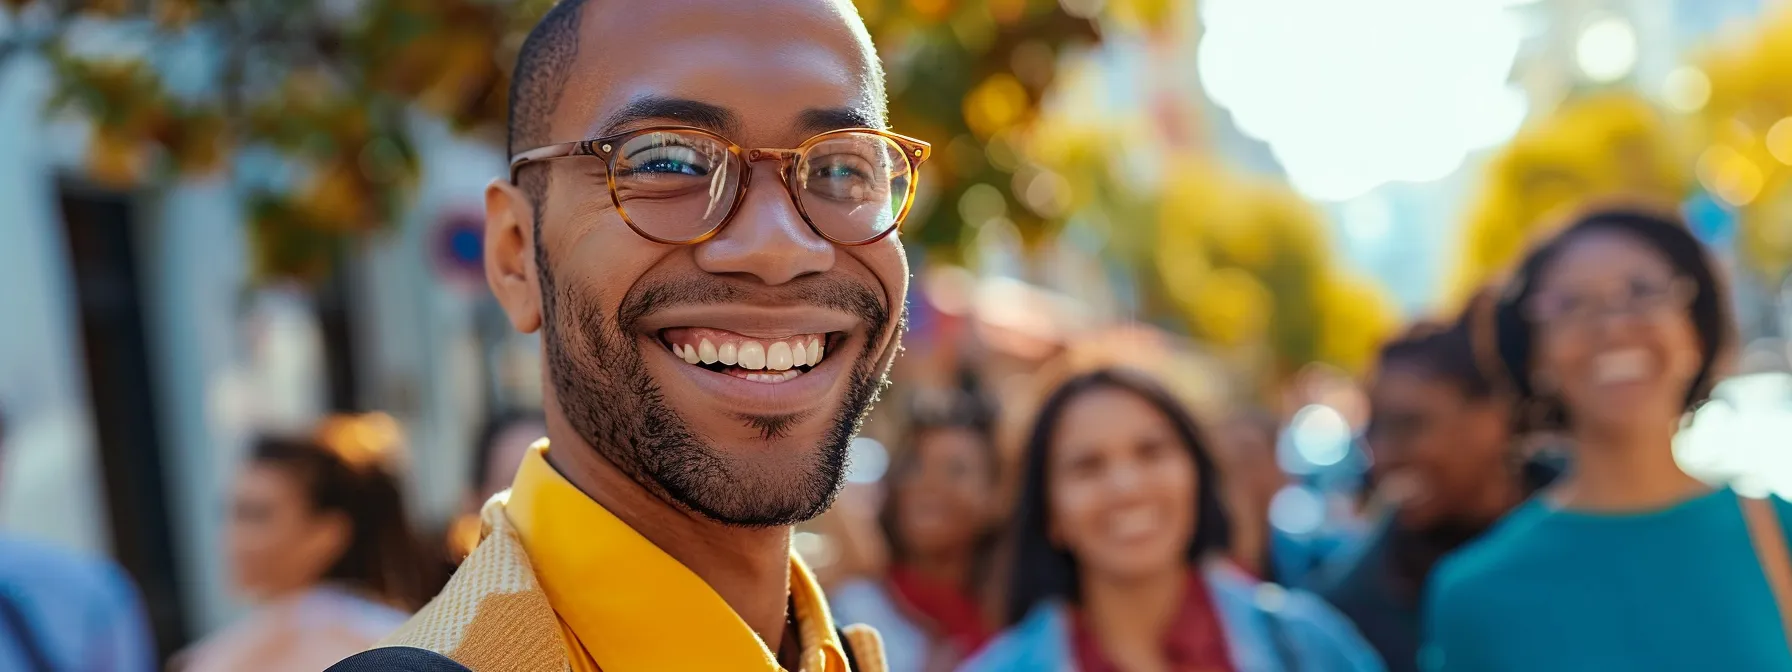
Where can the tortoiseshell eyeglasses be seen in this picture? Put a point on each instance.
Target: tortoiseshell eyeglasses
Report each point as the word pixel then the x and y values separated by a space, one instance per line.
pixel 680 185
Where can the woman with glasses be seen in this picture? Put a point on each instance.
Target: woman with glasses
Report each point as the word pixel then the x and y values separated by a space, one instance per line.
pixel 1119 545
pixel 1612 332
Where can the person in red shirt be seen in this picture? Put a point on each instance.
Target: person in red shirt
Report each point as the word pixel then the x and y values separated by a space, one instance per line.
pixel 939 522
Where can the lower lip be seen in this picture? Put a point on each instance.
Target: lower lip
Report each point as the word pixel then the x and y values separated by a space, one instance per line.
pixel 794 395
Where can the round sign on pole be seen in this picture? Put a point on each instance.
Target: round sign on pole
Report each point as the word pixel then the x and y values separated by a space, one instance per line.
pixel 458 250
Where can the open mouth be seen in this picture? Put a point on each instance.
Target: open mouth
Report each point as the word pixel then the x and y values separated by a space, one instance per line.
pixel 1623 366
pixel 760 360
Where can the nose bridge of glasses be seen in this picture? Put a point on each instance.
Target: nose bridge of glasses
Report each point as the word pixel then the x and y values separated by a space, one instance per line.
pixel 784 157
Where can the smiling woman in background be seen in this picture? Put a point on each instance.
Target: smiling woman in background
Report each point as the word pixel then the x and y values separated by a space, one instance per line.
pixel 939 520
pixel 1119 552
pixel 1614 330
pixel 319 541
pixel 1441 434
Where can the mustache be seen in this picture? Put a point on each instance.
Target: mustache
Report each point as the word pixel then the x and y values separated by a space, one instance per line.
pixel 827 291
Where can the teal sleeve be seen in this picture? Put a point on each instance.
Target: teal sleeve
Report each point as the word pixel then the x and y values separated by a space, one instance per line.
pixel 1451 638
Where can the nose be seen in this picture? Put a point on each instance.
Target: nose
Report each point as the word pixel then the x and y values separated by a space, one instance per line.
pixel 1126 479
pixel 767 238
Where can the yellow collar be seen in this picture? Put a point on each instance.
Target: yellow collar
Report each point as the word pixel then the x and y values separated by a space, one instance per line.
pixel 633 607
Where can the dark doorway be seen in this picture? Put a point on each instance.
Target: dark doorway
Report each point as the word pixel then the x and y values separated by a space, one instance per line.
pixel 101 228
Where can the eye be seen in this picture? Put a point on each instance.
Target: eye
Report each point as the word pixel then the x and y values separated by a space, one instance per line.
pixel 670 159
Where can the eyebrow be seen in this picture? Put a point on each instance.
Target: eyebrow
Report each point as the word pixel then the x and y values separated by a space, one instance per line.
pixel 835 118
pixel 723 120
pixel 681 110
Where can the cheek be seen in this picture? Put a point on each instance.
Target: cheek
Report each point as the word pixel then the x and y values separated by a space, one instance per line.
pixel 888 264
pixel 1680 341
pixel 1072 504
pixel 1562 352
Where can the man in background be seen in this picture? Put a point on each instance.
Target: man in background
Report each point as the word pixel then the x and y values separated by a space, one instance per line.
pixel 60 610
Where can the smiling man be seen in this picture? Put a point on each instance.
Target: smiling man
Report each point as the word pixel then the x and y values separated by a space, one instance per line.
pixel 698 220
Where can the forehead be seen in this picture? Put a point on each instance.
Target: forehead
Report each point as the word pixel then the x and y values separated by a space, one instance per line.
pixel 1107 415
pixel 766 61
pixel 1598 258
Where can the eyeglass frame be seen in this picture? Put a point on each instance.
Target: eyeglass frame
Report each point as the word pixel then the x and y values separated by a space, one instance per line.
pixel 914 151
pixel 1682 292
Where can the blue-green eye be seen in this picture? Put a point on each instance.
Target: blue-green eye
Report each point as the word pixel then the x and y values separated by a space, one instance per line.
pixel 672 160
pixel 836 171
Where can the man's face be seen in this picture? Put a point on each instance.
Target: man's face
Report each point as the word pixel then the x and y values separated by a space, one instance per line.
pixel 739 447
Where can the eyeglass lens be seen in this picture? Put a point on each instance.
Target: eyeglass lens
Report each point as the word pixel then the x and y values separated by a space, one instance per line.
pixel 680 185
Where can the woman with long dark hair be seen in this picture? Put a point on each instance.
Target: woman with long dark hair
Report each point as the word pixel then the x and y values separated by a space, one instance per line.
pixel 939 523
pixel 1119 552
pixel 1611 332
pixel 319 541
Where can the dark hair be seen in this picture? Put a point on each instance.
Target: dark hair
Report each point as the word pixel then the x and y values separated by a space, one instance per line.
pixel 494 428
pixel 1041 570
pixel 543 65
pixel 964 411
pixel 384 557
pixel 1665 233
pixel 1444 352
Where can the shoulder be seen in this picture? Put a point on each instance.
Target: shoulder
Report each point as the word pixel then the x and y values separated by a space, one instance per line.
pixel 1267 617
pixel 43 569
pixel 1505 548
pixel 398 659
pixel 1038 642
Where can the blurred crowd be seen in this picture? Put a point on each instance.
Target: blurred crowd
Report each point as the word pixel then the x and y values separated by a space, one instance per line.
pixel 1055 503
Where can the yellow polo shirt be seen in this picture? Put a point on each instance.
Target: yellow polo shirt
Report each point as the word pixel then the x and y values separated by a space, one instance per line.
pixel 627 606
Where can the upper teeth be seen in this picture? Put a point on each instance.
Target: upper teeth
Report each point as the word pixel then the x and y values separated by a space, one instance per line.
pixel 753 355
pixel 1621 366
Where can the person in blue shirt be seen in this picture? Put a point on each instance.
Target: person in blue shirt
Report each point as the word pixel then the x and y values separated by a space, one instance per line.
pixel 1610 333
pixel 1118 552
pixel 61 610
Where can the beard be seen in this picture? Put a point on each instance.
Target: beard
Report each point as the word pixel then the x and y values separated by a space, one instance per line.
pixel 610 399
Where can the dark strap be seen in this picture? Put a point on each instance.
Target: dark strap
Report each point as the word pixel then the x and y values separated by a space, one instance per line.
pixel 407 659
pixel 852 660
pixel 1769 540
pixel 398 659
pixel 18 628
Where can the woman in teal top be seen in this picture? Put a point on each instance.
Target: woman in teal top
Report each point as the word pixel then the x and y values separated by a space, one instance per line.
pixel 1610 332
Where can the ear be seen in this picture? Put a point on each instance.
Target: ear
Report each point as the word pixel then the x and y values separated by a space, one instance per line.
pixel 510 254
pixel 330 537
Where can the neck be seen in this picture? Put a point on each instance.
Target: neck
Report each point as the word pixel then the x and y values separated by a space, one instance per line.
pixel 947 567
pixel 1626 470
pixel 1250 537
pixel 1495 499
pixel 1131 616
pixel 748 568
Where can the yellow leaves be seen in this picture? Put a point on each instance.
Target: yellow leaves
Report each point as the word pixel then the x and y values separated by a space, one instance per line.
pixel 999 102
pixel 1592 148
pixel 1143 15
pixel 116 158
pixel 1247 263
pixel 1746 131
pixel 171 14
pixel 107 8
pixel 1355 317
pixel 1230 307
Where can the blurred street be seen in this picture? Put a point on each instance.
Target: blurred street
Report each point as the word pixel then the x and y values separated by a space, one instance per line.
pixel 240 237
